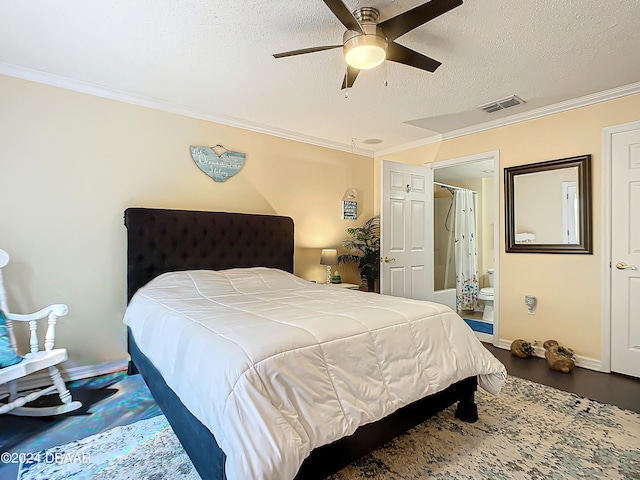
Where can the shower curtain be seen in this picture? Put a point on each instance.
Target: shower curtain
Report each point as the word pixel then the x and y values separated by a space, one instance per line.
pixel 466 252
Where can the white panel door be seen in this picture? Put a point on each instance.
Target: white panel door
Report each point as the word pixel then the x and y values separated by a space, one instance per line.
pixel 625 251
pixel 406 231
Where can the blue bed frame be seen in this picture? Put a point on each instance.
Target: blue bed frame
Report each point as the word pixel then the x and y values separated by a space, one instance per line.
pixel 161 240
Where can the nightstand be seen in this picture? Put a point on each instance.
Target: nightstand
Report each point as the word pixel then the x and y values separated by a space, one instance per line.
pixel 349 286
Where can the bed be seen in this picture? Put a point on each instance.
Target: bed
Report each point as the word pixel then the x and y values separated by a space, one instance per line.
pixel 231 259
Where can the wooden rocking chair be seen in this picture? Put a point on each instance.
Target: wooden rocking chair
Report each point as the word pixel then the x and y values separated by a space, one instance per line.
pixel 33 361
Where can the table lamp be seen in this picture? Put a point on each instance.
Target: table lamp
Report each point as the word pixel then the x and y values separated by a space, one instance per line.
pixel 329 257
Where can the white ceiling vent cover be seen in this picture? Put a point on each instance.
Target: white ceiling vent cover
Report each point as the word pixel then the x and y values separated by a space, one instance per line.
pixel 501 104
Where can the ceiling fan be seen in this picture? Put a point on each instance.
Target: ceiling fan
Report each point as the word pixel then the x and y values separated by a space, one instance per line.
pixel 366 44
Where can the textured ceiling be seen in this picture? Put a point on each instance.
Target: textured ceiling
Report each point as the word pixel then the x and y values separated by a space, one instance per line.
pixel 215 59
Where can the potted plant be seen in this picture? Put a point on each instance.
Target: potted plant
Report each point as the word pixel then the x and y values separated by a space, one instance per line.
pixel 364 250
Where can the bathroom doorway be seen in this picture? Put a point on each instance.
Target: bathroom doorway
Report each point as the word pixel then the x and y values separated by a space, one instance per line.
pixel 466 239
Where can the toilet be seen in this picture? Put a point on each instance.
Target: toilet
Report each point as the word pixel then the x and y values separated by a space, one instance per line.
pixel 486 295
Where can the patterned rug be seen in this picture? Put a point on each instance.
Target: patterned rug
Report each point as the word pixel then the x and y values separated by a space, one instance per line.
pixel 530 431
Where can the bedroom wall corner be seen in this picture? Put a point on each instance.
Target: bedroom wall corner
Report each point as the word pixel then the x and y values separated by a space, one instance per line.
pixel 71 163
pixel 568 287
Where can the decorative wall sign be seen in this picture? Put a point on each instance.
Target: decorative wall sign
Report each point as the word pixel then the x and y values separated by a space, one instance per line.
pixel 349 210
pixel 218 167
pixel 350 204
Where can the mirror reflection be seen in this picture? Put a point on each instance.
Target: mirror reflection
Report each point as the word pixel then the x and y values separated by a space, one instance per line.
pixel 548 206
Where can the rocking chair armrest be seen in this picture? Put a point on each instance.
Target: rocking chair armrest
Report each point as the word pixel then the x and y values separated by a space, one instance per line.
pixel 59 310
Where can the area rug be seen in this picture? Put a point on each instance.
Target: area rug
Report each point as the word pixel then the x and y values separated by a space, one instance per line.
pixel 530 431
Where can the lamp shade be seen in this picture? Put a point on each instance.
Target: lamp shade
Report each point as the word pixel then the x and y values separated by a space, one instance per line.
pixel 329 256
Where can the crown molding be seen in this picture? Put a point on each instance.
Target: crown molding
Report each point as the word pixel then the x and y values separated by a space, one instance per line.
pixel 140 100
pixel 579 102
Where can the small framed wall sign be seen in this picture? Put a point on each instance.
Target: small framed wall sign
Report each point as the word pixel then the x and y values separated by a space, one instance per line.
pixel 218 167
pixel 350 204
pixel 349 210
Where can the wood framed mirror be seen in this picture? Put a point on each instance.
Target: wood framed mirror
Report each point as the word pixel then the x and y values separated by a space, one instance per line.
pixel 548 206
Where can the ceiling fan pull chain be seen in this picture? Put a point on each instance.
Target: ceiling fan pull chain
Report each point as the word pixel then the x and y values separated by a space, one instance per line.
pixel 346 82
pixel 386 84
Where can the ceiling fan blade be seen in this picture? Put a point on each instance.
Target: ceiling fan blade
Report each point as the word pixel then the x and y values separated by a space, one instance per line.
pixel 343 14
pixel 350 77
pixel 407 21
pixel 305 50
pixel 400 54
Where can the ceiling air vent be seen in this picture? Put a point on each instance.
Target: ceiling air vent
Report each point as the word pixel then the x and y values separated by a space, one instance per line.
pixel 501 104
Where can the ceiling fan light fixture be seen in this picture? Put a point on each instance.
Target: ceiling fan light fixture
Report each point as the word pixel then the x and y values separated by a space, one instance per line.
pixel 365 51
pixel 367 43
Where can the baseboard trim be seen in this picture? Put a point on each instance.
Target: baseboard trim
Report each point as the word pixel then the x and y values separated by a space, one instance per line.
pixel 484 337
pixel 583 362
pixel 41 379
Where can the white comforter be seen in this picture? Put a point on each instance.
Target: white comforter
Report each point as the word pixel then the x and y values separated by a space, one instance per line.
pixel 276 366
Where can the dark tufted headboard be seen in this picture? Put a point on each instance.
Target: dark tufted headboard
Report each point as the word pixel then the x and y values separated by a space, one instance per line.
pixel 160 241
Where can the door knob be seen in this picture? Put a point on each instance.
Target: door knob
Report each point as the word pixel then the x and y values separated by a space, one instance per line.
pixel 624 266
pixel 388 259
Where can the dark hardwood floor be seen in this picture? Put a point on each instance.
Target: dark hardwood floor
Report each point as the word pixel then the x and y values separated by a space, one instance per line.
pixel 119 400
pixel 611 388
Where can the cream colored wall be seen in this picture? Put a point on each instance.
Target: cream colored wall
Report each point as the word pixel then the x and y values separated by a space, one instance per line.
pixel 71 163
pixel 568 286
pixel 443 266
